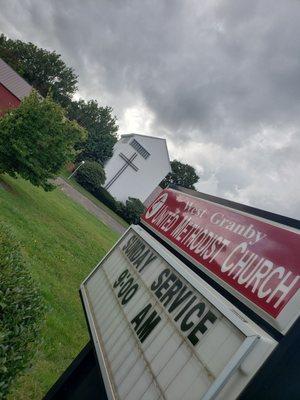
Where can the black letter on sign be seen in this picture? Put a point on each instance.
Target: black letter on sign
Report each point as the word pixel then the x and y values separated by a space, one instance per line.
pixel 157 284
pixel 129 243
pixel 185 325
pixel 143 329
pixel 209 316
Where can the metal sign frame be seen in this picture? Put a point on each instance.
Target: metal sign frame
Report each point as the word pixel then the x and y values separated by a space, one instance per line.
pixel 222 305
pixel 290 313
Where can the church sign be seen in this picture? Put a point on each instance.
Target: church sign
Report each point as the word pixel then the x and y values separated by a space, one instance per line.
pixel 160 331
pixel 255 259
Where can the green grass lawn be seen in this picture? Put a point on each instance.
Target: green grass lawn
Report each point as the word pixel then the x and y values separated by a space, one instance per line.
pixel 62 243
pixel 65 174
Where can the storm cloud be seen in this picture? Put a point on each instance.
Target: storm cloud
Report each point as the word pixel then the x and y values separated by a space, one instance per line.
pixel 219 79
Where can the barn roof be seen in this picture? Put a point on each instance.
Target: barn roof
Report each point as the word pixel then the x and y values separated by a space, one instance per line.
pixel 13 81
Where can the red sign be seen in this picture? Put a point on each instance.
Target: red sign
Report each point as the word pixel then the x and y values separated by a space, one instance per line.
pixel 256 258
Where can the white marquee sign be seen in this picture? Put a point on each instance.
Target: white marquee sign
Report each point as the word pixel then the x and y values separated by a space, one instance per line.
pixel 161 332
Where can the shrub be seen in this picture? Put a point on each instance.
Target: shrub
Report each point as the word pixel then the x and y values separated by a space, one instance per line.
pixel 121 209
pixel 106 198
pixel 132 210
pixel 91 176
pixel 21 311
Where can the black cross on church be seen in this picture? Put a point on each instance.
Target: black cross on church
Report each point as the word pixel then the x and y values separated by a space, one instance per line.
pixel 128 163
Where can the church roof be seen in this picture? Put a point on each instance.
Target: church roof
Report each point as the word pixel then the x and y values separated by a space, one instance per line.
pixel 138 134
pixel 128 135
pixel 13 81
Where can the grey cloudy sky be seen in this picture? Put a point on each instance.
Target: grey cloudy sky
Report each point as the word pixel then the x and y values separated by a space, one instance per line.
pixel 219 79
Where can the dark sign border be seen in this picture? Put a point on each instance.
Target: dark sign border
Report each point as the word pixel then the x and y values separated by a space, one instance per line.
pixel 277 218
pixel 281 219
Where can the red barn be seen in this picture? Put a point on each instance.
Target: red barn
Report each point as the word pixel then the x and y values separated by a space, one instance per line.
pixel 13 88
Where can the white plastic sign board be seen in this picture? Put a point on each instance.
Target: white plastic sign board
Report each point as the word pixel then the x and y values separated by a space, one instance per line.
pixel 161 332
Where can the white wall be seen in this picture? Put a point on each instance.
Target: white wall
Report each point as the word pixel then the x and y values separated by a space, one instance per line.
pixel 151 170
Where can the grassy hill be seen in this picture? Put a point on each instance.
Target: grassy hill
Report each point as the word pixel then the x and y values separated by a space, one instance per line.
pixel 62 243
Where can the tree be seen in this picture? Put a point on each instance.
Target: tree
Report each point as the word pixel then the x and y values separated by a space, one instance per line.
pixel 36 140
pixel 182 175
pixel 101 127
pixel 43 69
pixel 131 210
pixel 47 72
pixel 91 176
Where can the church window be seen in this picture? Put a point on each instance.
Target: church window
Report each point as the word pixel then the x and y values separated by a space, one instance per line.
pixel 139 148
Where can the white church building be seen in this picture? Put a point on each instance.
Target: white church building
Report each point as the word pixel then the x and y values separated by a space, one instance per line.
pixel 139 163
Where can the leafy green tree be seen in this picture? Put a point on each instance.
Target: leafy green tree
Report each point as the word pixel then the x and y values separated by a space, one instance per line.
pixel 36 140
pixel 132 210
pixel 182 175
pixel 101 126
pixel 91 176
pixel 47 72
pixel 43 69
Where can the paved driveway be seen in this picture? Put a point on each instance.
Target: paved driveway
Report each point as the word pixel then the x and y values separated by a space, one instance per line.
pixel 101 214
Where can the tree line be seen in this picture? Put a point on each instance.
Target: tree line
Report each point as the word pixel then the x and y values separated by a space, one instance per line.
pixel 66 129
